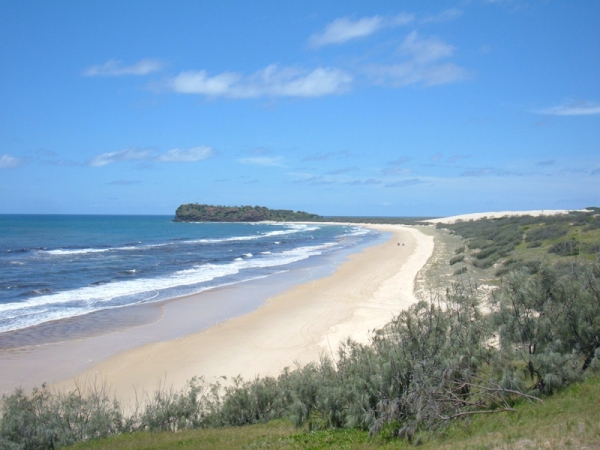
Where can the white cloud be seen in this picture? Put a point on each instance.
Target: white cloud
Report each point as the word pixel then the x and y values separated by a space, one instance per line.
pixel 572 109
pixel 114 68
pixel 263 160
pixel 8 161
pixel 422 64
pixel 271 81
pixel 444 16
pixel 343 29
pixel 190 155
pixel 425 51
pixel 410 73
pixel 133 154
pixel 127 154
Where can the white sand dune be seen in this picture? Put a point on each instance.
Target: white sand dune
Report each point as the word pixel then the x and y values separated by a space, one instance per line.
pixel 495 215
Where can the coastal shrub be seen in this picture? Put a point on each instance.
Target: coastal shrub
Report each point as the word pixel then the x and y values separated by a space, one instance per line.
pixel 486 263
pixel 476 243
pixel 249 402
pixel 593 223
pixel 47 420
pixel 549 324
pixel 487 252
pixel 546 232
pixel 508 266
pixel 569 247
pixel 460 271
pixel 166 409
pixel 456 259
pixel 460 250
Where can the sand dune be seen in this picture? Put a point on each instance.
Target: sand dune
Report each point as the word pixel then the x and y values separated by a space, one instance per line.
pixel 495 215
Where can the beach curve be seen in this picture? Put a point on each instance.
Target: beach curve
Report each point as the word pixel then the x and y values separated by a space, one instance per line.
pixel 294 327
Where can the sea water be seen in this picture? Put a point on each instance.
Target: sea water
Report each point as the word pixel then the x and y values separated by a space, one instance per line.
pixel 61 266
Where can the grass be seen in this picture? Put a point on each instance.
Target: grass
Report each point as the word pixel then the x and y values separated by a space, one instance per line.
pixel 567 420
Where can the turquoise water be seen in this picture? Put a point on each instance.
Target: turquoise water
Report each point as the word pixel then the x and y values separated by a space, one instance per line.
pixel 55 267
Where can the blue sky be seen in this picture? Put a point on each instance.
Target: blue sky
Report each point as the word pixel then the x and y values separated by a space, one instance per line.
pixel 348 107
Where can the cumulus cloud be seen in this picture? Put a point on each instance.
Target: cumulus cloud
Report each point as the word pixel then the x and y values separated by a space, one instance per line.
pixel 425 50
pixel 421 64
pixel 127 154
pixel 113 68
pixel 191 155
pixel 272 81
pixel 344 29
pixel 8 161
pixel 134 154
pixel 572 109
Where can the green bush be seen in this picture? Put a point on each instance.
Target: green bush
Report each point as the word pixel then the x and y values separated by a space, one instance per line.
pixel 460 271
pixel 457 259
pixel 546 232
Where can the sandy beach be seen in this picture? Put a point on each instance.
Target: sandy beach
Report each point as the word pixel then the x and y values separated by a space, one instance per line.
pixel 297 326
pixel 270 329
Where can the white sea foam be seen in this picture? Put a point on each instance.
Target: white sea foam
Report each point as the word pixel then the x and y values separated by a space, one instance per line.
pixel 81 251
pixel 290 229
pixel 90 298
pixel 359 231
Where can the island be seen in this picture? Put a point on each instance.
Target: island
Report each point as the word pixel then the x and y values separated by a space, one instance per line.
pixel 194 212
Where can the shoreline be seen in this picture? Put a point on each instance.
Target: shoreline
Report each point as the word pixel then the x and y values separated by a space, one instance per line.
pixel 259 340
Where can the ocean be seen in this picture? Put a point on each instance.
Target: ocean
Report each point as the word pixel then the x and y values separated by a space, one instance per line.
pixel 56 267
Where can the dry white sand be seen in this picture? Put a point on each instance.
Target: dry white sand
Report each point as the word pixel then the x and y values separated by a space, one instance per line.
pixel 299 325
pixel 495 215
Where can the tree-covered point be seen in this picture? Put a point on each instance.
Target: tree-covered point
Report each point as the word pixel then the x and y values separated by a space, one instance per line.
pixel 194 212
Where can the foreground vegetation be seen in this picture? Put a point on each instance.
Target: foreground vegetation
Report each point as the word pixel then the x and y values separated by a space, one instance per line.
pixel 439 362
pixel 564 421
pixel 429 377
